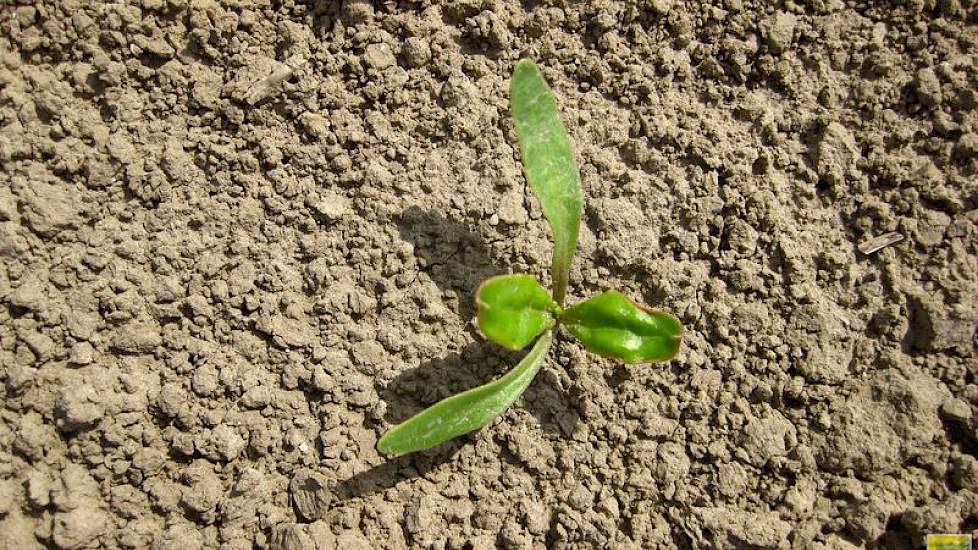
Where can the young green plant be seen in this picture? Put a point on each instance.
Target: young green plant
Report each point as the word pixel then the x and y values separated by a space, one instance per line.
pixel 515 310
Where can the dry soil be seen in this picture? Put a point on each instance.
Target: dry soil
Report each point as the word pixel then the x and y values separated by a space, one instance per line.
pixel 240 239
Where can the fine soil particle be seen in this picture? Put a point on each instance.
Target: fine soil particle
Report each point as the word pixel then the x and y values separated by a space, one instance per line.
pixel 240 240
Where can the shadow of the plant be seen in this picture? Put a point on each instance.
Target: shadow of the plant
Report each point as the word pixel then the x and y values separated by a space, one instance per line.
pixel 415 389
pixel 455 257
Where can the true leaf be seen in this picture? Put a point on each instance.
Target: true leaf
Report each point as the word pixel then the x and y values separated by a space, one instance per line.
pixel 514 309
pixel 466 411
pixel 612 325
pixel 549 165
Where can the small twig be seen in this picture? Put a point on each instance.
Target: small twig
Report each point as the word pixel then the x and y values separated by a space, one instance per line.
pixel 879 242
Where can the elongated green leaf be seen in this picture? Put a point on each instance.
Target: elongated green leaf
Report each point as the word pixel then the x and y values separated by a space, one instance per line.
pixel 549 165
pixel 466 411
pixel 612 325
pixel 514 309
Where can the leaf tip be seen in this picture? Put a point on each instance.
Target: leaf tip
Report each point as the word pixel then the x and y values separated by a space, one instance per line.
pixel 383 444
pixel 525 63
pixel 386 446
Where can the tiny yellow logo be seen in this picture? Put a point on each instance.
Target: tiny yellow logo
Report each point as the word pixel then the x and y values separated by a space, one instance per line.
pixel 948 542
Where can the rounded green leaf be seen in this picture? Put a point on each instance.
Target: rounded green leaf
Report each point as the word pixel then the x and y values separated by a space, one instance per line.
pixel 466 411
pixel 549 164
pixel 612 325
pixel 514 309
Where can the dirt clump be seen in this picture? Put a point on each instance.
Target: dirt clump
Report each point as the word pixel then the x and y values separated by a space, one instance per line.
pixel 240 240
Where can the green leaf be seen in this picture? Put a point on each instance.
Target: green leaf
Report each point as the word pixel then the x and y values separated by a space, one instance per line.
pixel 466 411
pixel 514 309
pixel 549 165
pixel 611 325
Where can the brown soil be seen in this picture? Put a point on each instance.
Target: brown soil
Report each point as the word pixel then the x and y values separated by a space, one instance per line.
pixel 240 239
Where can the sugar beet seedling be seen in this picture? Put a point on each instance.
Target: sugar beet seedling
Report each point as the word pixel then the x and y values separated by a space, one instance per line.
pixel 513 310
